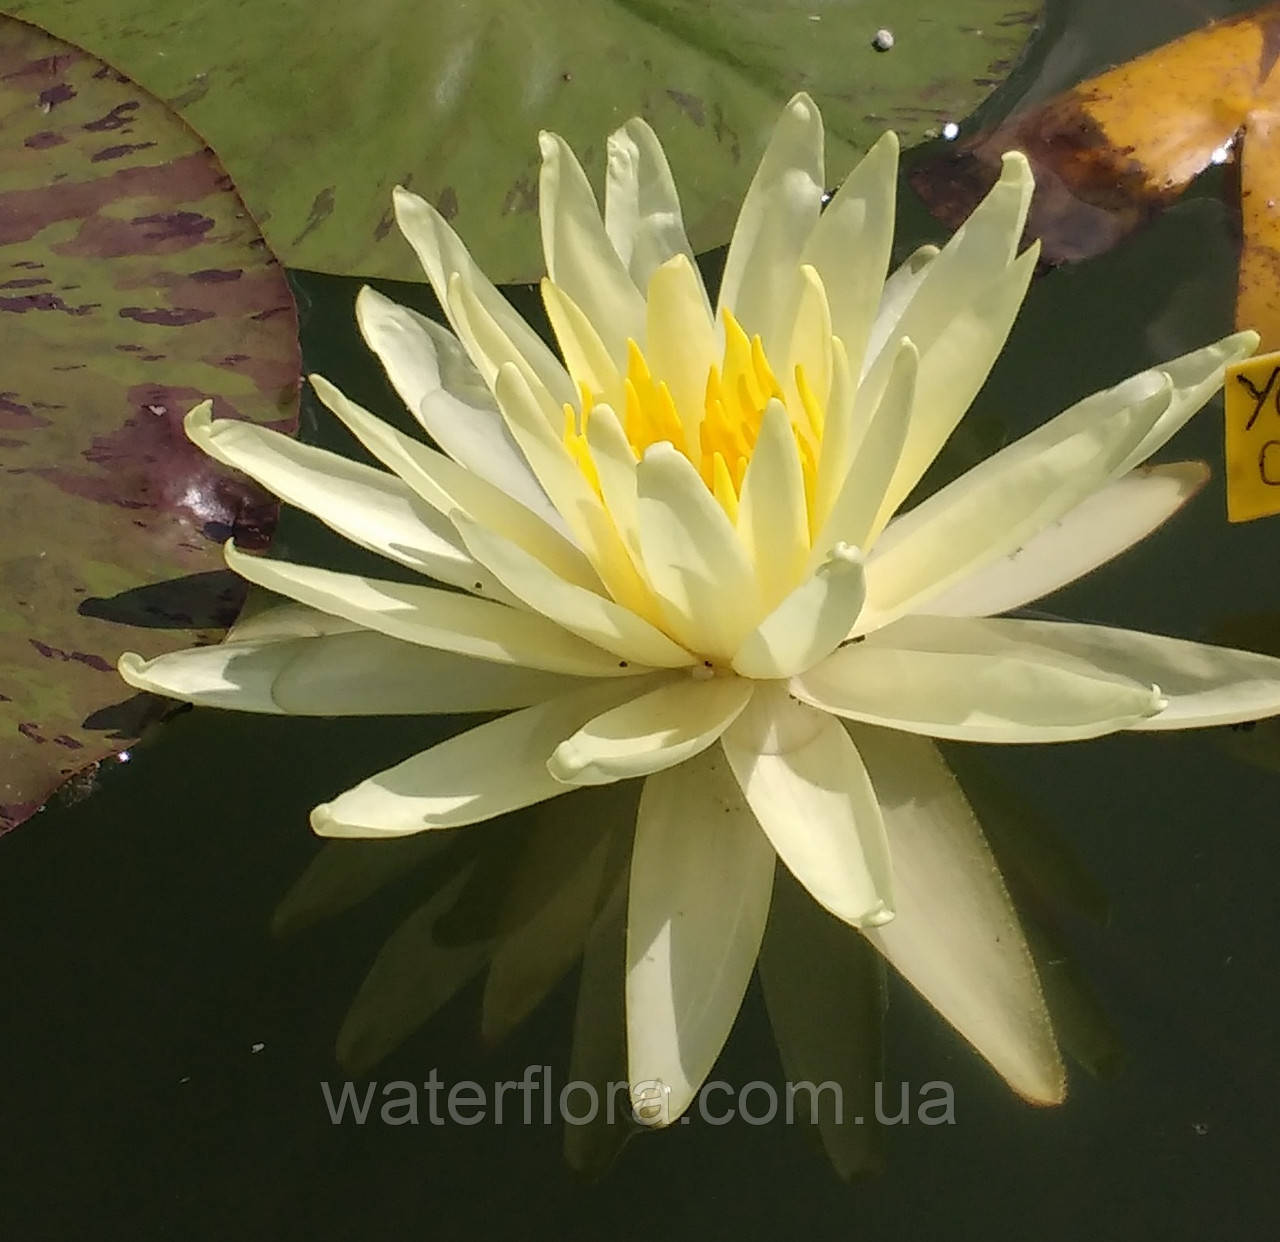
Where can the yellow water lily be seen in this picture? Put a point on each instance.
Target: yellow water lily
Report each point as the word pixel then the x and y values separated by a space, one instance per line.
pixel 674 552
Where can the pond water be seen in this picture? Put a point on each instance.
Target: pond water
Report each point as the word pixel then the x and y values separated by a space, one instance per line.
pixel 165 1049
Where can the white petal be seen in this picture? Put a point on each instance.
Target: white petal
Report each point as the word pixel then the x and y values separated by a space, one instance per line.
pixel 615 464
pixel 968 680
pixel 486 771
pixel 1099 528
pixel 804 781
pixel 491 350
pixel 447 486
pixel 810 623
pixel 982 247
pixel 268 616
pixel 680 343
pixel 433 617
pixel 428 366
pixel 641 208
pixel 443 255
pixel 773 522
pixel 584 353
pixel 851 243
pixel 1196 377
pixel 810 347
pixel 956 938
pixel 360 673
pixel 699 570
pixel 571 493
pixel 650 733
pixel 954 364
pixel 370 507
pixel 593 617
pixel 1203 684
pixel 895 297
pixel 1007 499
pixel 701 878
pixel 840 437
pixel 580 258
pixel 761 272
pixel 859 501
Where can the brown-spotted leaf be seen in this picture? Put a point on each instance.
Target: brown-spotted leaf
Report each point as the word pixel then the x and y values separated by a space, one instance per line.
pixel 133 284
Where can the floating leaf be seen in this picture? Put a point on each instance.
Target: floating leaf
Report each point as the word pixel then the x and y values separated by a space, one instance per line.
pixel 1113 152
pixel 447 98
pixel 132 285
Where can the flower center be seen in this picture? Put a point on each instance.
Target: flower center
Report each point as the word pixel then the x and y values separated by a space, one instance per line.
pixel 738 391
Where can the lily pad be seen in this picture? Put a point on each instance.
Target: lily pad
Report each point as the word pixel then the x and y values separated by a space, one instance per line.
pixel 318 107
pixel 133 284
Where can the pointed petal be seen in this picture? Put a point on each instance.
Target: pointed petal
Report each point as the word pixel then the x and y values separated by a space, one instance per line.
pixel 580 258
pixel 973 681
pixel 433 617
pixel 446 486
pixel 841 438
pixel 810 347
pixel 680 339
pixel 852 517
pixel 442 254
pixel 1099 528
pixel 615 464
pixel 1007 499
pixel 647 734
pixel 810 623
pixel 805 783
pixel 584 353
pixel 895 297
pixel 982 247
pixel 473 776
pixel 698 567
pixel 761 272
pixel 593 617
pixel 1202 684
pixel 954 364
pixel 956 938
pixel 701 876
pixel 851 243
pixel 1196 377
pixel 492 349
pixel 428 366
pixel 773 522
pixel 361 673
pixel 641 208
pixel 370 507
pixel 571 493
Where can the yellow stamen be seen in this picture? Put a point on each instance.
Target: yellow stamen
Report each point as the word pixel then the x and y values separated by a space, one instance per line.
pixel 735 397
pixel 723 488
pixel 576 442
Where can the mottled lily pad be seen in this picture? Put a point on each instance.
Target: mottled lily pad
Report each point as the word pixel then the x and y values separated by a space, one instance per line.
pixel 133 284
pixel 319 108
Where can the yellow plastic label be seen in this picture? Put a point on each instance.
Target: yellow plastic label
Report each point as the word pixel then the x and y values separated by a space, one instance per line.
pixel 1253 438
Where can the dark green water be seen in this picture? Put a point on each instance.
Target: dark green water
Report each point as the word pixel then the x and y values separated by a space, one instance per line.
pixel 163 1051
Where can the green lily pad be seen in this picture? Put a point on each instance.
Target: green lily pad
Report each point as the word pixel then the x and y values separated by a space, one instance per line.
pixel 318 107
pixel 133 284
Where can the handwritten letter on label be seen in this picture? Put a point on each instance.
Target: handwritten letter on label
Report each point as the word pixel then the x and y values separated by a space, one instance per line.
pixel 1253 438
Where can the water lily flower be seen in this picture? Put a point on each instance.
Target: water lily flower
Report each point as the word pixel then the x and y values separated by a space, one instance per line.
pixel 675 551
